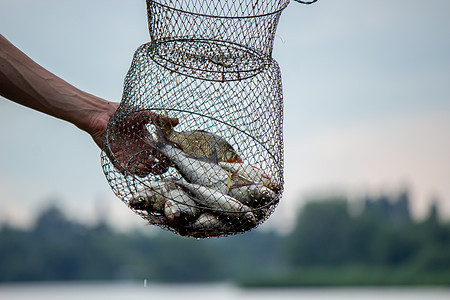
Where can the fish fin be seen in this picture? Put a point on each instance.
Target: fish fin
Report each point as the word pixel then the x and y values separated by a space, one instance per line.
pixel 241 184
pixel 162 135
pixel 163 126
pixel 236 159
pixel 234 175
pixel 160 141
pixel 240 179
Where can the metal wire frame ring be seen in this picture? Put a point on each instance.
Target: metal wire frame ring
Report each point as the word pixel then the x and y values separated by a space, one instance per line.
pixel 223 17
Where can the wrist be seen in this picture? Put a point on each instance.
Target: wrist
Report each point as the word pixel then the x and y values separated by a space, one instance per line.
pixel 95 117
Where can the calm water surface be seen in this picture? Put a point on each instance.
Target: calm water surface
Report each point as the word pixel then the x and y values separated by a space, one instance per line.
pixel 113 291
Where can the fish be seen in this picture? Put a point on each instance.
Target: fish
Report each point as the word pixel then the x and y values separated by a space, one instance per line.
pixel 219 202
pixel 206 225
pixel 212 175
pixel 150 198
pixel 201 144
pixel 251 186
pixel 248 173
pixel 208 221
pixel 201 172
pixel 166 198
pixel 210 224
pixel 253 195
pixel 180 204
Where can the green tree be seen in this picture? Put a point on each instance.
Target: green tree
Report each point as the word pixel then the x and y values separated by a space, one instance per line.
pixel 323 234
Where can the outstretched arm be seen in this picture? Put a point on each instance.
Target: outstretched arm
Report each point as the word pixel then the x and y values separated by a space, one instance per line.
pixel 25 82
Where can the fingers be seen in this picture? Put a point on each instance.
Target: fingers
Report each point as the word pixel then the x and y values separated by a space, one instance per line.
pixel 126 147
pixel 163 121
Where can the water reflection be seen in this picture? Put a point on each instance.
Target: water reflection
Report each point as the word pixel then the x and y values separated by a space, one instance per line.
pixel 133 290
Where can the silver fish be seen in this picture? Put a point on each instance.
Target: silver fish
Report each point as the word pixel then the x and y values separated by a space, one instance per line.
pixel 208 225
pixel 151 198
pixel 216 200
pixel 253 195
pixel 166 198
pixel 197 171
pixel 249 173
pixel 179 204
pixel 208 221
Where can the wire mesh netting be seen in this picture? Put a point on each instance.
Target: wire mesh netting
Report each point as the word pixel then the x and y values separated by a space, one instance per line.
pixel 196 146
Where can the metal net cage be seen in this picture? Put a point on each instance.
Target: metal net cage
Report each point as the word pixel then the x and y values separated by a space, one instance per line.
pixel 196 145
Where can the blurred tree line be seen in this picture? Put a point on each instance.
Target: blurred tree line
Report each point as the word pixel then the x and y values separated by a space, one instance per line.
pixel 330 245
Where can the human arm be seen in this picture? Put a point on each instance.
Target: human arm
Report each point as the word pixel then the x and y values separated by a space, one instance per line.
pixel 25 82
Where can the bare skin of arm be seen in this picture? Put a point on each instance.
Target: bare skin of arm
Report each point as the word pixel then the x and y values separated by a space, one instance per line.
pixel 25 82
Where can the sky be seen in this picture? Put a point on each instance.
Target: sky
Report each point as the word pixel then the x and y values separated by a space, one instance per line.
pixel 366 98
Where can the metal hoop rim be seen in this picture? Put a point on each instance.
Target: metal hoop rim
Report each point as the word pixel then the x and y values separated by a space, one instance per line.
pixel 218 16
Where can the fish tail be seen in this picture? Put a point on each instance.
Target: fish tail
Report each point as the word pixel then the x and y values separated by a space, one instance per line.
pixel 163 127
pixel 163 134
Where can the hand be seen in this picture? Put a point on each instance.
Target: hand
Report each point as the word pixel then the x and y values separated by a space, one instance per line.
pixel 126 147
pixel 99 122
pixel 25 82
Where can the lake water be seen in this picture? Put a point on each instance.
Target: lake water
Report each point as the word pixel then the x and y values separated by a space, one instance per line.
pixel 116 291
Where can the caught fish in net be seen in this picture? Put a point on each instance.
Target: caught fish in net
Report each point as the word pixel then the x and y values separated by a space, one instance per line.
pixel 196 145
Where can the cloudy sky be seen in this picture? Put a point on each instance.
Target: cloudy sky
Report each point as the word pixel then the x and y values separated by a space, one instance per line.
pixel 366 90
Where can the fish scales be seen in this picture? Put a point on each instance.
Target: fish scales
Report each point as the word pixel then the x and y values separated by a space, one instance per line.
pixel 179 204
pixel 197 171
pixel 214 199
pixel 202 144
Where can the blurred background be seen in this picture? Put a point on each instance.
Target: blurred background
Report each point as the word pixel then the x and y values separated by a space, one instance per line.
pixel 367 154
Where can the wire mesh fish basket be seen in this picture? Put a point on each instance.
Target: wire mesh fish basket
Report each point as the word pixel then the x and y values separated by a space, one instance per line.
pixel 196 145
